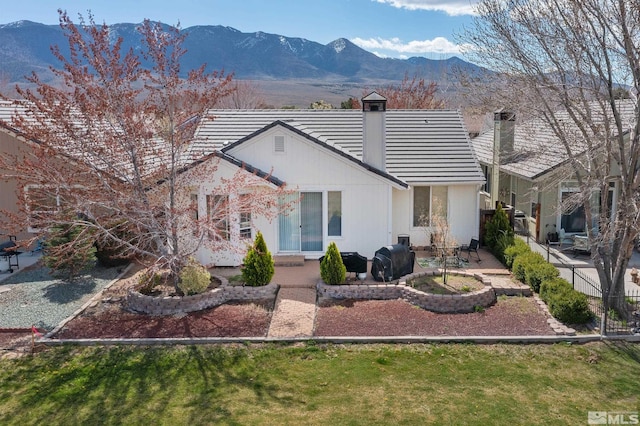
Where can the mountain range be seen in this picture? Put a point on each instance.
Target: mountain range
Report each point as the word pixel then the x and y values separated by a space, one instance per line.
pixel 25 47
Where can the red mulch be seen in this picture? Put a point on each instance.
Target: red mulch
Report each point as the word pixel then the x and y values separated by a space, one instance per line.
pixel 513 316
pixel 229 320
pixel 107 319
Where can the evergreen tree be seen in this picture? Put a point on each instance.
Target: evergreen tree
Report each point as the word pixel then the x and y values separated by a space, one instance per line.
pixel 258 266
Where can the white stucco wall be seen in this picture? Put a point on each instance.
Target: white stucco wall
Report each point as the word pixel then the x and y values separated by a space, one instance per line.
pixel 306 166
pixel 374 211
pixel 463 215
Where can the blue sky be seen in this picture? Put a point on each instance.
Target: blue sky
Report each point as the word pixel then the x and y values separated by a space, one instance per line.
pixel 392 28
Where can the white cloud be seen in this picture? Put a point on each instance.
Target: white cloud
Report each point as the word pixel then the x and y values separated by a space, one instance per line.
pixel 453 8
pixel 415 47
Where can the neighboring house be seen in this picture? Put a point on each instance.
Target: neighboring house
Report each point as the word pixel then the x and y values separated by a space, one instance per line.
pixel 363 178
pixel 12 143
pixel 526 167
pixel 17 202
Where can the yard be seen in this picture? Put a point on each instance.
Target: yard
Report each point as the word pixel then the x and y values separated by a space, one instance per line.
pixel 320 384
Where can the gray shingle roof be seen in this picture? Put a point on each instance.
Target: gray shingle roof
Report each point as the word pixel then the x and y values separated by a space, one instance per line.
pixel 423 146
pixel 536 149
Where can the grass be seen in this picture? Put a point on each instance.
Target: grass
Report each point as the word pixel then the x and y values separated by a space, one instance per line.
pixel 320 384
pixel 236 279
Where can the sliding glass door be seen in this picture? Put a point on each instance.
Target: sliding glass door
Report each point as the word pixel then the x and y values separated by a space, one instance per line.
pixel 300 228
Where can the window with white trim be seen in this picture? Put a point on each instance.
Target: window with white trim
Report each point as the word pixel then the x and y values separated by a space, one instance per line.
pixel 42 203
pixel 334 213
pixel 245 216
pixel 573 219
pixel 218 216
pixel 429 201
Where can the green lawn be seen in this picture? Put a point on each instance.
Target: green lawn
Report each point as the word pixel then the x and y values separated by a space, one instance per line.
pixel 321 384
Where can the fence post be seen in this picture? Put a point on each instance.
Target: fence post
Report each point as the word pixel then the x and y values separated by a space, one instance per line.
pixel 573 276
pixel 605 314
pixel 548 251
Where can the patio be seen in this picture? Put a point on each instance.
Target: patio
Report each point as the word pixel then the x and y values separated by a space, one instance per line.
pixel 307 274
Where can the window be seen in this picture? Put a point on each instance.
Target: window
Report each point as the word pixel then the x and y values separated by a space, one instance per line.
pixel 573 219
pixel 218 216
pixel 487 175
pixel 334 213
pixel 428 202
pixel 42 203
pixel 245 216
pixel 439 201
pixel 194 207
pixel 421 205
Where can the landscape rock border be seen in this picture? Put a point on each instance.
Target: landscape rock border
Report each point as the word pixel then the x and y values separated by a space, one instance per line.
pixel 171 305
pixel 441 303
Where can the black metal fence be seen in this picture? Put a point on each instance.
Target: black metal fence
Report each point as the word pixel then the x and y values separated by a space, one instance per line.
pixel 622 315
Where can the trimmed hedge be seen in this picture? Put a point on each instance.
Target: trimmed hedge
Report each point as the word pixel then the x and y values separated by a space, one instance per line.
pixel 524 260
pixel 565 303
pixel 536 273
pixel 550 287
pixel 510 253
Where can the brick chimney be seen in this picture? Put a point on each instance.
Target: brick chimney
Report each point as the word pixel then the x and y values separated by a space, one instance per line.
pixel 374 140
pixel 504 123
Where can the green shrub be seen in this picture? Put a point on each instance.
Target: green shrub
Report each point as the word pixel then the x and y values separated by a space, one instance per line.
pixel 565 304
pixel 258 266
pixel 111 253
pixel 536 273
pixel 194 278
pixel 69 250
pixel 510 253
pixel 148 281
pixel 570 307
pixel 499 233
pixel 522 261
pixel 332 269
pixel 553 286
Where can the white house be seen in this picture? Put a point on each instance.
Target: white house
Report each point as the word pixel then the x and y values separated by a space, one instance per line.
pixel 363 178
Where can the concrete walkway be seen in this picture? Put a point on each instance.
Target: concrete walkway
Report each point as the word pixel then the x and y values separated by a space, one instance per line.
pixel 564 258
pixel 294 314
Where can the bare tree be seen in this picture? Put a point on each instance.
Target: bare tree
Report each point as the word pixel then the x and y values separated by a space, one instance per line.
pixel 112 148
pixel 564 62
pixel 411 93
pixel 245 95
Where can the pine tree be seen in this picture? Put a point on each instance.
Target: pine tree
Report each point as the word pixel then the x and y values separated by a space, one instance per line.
pixel 332 269
pixel 258 266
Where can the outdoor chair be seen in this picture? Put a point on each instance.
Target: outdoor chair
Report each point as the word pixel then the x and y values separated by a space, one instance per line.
pixel 472 247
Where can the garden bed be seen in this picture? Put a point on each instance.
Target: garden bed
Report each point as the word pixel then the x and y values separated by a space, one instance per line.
pixel 510 316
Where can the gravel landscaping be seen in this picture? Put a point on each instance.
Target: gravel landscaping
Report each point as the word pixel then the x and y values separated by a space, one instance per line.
pixel 33 297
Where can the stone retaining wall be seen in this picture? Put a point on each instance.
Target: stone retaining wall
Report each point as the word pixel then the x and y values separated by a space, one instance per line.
pixel 443 303
pixel 171 305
